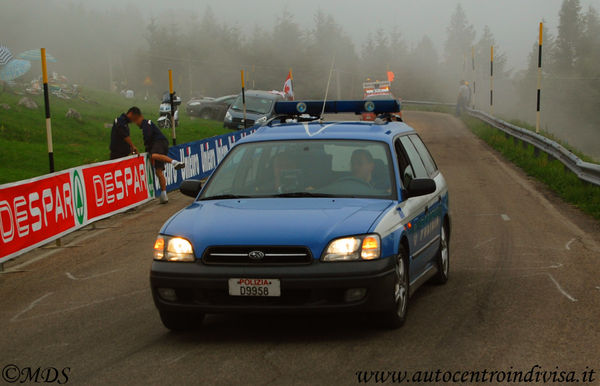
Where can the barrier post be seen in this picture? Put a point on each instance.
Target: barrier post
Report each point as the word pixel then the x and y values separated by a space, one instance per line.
pixel 244 97
pixel 47 107
pixel 474 74
pixel 171 98
pixel 492 80
pixel 539 81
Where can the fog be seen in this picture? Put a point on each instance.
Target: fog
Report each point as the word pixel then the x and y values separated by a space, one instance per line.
pixel 117 44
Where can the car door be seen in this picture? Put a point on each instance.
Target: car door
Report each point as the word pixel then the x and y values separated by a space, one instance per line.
pixel 435 205
pixel 421 242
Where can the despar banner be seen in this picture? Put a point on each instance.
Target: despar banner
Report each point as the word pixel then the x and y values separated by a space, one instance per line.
pixel 200 158
pixel 36 211
pixel 115 186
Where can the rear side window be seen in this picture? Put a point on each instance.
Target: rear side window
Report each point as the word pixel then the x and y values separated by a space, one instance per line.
pixel 424 153
pixel 415 160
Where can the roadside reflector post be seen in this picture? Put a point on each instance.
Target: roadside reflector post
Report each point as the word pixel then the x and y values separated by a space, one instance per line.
pixel 47 107
pixel 243 97
pixel 474 74
pixel 492 80
pixel 171 98
pixel 539 81
pixel 48 121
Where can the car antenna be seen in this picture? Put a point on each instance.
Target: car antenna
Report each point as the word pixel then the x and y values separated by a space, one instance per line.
pixel 327 89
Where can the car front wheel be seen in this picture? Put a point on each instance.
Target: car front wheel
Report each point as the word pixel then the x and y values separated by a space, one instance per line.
pixel 396 316
pixel 443 258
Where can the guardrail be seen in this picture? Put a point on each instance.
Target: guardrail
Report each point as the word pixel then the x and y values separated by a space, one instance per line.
pixel 586 171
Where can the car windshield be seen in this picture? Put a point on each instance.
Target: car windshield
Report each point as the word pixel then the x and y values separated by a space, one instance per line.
pixel 304 168
pixel 254 104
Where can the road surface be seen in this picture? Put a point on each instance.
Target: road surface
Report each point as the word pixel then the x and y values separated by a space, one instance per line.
pixel 524 289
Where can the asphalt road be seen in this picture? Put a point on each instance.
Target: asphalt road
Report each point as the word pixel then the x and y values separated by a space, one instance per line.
pixel 524 289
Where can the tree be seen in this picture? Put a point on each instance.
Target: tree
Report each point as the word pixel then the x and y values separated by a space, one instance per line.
pixel 459 40
pixel 483 55
pixel 569 35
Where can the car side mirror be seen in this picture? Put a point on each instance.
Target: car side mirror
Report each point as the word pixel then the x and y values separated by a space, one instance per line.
pixel 191 187
pixel 420 187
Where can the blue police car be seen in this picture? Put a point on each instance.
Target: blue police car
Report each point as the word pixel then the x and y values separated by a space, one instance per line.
pixel 308 216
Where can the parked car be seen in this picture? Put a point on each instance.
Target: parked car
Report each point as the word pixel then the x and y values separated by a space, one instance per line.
pixel 308 216
pixel 209 108
pixel 259 108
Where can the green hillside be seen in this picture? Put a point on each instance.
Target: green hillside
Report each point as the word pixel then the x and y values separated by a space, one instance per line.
pixel 24 153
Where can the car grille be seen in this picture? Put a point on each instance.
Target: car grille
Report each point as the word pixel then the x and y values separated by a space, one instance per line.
pixel 238 121
pixel 241 255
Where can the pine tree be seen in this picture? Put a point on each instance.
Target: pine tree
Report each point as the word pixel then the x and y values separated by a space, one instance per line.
pixel 569 35
pixel 460 37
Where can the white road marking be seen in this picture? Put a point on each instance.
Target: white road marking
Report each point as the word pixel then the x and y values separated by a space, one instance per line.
pixel 553 266
pixel 14 319
pixel 505 217
pixel 70 276
pixel 30 306
pixel 567 245
pixel 170 362
pixel 565 293
pixel 53 251
pixel 483 242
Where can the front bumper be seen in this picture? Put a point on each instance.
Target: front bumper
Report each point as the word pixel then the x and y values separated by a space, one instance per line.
pixel 315 287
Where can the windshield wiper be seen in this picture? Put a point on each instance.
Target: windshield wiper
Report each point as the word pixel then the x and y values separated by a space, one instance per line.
pixel 303 194
pixel 223 197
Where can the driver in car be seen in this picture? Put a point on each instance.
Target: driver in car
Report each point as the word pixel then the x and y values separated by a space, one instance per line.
pixel 362 165
pixel 282 162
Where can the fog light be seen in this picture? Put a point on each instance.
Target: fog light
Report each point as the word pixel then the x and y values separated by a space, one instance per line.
pixel 354 294
pixel 167 294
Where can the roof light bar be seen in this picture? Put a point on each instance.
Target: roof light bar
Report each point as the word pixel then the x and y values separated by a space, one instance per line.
pixel 314 108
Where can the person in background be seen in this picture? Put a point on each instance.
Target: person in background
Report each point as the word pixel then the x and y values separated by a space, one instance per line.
pixel 464 96
pixel 157 146
pixel 120 140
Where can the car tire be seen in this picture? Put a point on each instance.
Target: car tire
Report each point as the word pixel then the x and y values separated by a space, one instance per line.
pixel 181 321
pixel 396 316
pixel 206 114
pixel 443 258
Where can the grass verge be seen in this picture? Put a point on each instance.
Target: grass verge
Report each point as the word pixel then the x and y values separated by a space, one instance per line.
pixel 567 185
pixel 23 133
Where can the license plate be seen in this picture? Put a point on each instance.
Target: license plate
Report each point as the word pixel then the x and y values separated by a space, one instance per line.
pixel 254 287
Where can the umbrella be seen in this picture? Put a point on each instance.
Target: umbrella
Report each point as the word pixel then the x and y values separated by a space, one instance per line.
pixel 14 69
pixel 35 55
pixel 5 55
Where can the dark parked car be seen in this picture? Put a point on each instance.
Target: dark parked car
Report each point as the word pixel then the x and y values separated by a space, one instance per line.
pixel 210 108
pixel 259 108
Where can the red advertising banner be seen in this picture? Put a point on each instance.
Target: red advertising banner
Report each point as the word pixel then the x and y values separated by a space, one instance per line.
pixel 110 187
pixel 35 211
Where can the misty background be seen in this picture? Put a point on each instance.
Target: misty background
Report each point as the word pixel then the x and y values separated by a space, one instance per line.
pixel 427 44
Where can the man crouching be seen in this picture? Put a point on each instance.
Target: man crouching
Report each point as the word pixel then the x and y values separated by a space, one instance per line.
pixel 157 146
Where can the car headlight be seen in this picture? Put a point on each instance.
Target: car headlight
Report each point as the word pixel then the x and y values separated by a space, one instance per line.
pixel 228 116
pixel 173 249
pixel 364 247
pixel 262 119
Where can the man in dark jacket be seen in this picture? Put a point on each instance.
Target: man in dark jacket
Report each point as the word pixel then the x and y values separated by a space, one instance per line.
pixel 120 140
pixel 157 146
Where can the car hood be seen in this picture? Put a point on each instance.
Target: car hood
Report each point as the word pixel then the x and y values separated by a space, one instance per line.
pixel 311 222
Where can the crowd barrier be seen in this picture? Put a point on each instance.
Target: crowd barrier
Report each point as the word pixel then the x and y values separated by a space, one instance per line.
pixel 39 210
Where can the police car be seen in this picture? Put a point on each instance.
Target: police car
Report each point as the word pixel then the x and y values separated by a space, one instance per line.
pixel 308 216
